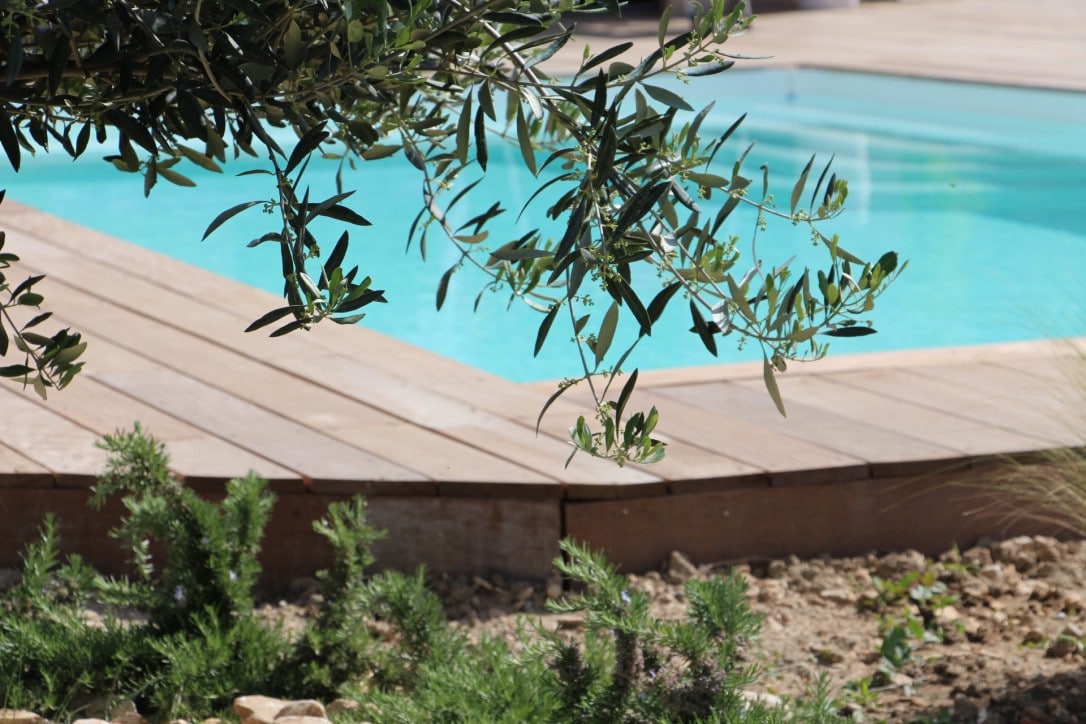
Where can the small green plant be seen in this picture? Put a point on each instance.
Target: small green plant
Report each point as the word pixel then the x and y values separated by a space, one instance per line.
pixel 179 637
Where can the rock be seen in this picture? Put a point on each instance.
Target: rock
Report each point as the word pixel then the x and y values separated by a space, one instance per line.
pixel 896 565
pixel 554 587
pixel 947 615
pixel 826 656
pixel 1043 549
pixel 1062 647
pixel 343 706
pixel 965 709
pixel 679 568
pixel 842 596
pixel 301 720
pixel 302 708
pixel 776 569
pixel 257 709
pixel 18 716
pixel 757 697
pixel 91 721
pixel 1033 636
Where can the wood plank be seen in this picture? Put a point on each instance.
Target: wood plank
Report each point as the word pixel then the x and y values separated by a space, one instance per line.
pixel 514 537
pixel 837 435
pixel 319 458
pixel 911 437
pixel 423 400
pixel 60 446
pixel 324 409
pixel 847 518
pixel 19 471
pixel 505 438
pixel 517 538
pixel 201 459
pixel 729 439
pixel 1014 425
pixel 456 468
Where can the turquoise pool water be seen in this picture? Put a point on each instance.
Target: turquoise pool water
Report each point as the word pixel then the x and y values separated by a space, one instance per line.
pixel 979 187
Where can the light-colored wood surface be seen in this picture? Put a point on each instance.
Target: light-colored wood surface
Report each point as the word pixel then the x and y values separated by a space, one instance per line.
pixel 449 454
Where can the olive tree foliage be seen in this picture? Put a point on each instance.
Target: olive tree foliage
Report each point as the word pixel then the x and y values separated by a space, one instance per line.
pixel 628 180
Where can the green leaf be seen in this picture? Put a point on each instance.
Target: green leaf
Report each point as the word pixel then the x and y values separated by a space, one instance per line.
pixel 545 328
pixel 624 396
pixel 339 252
pixel 711 68
pixel 887 263
pixel 524 137
pixel 607 332
pixel 174 177
pixel 481 154
pixel 199 159
pixel 306 145
pixel 443 286
pixel 15 371
pixel 292 45
pixel 605 56
pixel 273 316
pixel 227 215
pixel 380 150
pixel 661 27
pixel 659 302
pixel 797 190
pixel 518 254
pixel 853 331
pixel 703 330
pixel 667 97
pixel 770 378
pixel 463 132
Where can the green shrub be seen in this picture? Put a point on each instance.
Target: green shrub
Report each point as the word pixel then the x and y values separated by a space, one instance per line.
pixel 180 637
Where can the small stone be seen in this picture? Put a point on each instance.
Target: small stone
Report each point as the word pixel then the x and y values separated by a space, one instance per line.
pixel 554 587
pixel 948 615
pixel 1072 631
pixel 1062 648
pixel 1033 636
pixel 965 709
pixel 302 720
pixel 679 568
pixel 827 657
pixel 841 596
pixel 343 706
pixel 302 708
pixel 757 697
pixel 91 721
pixel 257 709
pixel 776 569
pixel 18 716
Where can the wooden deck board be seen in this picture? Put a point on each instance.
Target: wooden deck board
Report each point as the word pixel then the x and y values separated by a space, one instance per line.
pixel 920 427
pixel 449 454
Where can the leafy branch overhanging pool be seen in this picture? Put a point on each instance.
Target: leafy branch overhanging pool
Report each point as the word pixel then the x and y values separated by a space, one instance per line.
pixel 977 186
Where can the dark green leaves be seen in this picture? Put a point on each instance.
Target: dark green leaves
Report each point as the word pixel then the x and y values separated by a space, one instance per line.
pixel 667 97
pixel 9 140
pixel 227 215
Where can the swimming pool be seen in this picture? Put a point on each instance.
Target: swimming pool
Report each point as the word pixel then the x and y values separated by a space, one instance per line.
pixel 977 186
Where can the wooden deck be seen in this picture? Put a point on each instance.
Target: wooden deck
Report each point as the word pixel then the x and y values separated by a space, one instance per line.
pixel 448 456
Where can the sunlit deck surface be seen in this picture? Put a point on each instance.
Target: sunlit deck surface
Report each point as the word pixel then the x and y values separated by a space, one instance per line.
pixel 448 456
